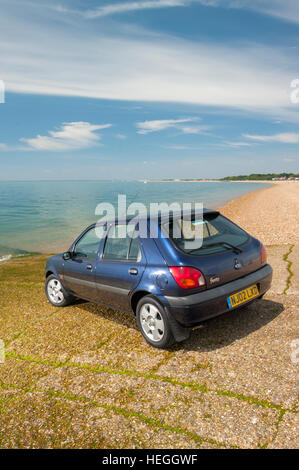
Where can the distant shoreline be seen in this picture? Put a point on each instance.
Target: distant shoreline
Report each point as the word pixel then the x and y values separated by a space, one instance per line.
pixel 213 181
pixel 221 181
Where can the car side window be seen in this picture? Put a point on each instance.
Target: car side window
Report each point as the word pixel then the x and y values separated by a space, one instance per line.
pixel 119 245
pixel 88 246
pixel 134 252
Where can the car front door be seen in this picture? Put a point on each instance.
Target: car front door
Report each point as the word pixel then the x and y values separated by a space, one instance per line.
pixel 119 268
pixel 79 271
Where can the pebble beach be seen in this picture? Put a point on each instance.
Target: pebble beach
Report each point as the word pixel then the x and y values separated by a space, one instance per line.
pixel 270 214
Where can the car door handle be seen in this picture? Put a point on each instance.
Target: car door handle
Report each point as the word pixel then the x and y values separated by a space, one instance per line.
pixel 133 271
pixel 89 266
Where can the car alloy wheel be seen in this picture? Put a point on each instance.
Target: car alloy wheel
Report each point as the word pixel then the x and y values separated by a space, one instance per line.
pixel 152 322
pixel 55 293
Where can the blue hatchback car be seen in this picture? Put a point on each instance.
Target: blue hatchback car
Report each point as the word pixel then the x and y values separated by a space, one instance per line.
pixel 170 288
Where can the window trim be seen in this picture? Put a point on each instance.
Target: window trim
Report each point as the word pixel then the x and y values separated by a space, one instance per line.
pixel 171 240
pixel 126 260
pixel 88 229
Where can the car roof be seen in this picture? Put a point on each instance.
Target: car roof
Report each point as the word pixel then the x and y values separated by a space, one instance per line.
pixel 158 217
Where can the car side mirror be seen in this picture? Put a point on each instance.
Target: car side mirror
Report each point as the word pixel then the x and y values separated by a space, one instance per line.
pixel 67 255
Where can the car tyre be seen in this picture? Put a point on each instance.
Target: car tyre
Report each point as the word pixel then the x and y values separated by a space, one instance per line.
pixel 153 322
pixel 55 292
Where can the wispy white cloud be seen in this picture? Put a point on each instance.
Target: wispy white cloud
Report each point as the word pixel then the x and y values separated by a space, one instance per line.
pixel 236 144
pixel 146 127
pixel 195 129
pixel 71 136
pixel 125 7
pixel 226 143
pixel 283 9
pixel 182 147
pixel 287 10
pixel 121 136
pixel 285 138
pixel 140 66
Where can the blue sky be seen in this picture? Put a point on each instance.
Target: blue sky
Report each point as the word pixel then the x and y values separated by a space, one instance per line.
pixel 148 89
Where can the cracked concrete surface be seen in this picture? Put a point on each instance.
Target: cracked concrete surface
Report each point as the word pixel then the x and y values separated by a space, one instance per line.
pixel 82 376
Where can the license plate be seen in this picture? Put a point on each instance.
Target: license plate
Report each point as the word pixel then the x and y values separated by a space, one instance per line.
pixel 242 296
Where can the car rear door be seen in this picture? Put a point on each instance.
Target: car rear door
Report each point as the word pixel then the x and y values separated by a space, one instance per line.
pixel 119 268
pixel 221 263
pixel 79 271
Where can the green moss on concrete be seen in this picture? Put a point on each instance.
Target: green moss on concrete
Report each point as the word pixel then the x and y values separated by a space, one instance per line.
pixel 289 266
pixel 193 386
pixel 153 422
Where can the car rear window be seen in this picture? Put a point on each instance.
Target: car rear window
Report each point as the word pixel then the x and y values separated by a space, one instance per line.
pixel 216 231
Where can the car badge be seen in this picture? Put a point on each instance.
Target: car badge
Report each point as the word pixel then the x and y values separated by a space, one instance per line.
pixel 238 264
pixel 214 279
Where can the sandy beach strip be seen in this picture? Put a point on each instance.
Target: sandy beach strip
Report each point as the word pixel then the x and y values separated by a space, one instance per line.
pixel 270 214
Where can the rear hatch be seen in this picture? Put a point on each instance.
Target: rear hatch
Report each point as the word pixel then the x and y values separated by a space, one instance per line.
pixel 226 266
pixel 227 252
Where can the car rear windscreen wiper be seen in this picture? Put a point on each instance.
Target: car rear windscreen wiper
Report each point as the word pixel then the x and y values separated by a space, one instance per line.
pixel 233 247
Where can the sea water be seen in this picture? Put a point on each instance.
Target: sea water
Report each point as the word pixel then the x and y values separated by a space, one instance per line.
pixel 45 216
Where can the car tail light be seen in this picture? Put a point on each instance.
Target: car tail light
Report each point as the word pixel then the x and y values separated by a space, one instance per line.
pixel 263 254
pixel 186 277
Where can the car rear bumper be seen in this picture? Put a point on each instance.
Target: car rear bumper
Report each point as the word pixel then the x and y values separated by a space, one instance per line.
pixel 190 310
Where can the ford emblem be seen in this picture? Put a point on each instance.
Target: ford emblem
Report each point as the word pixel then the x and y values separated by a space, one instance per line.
pixel 238 264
